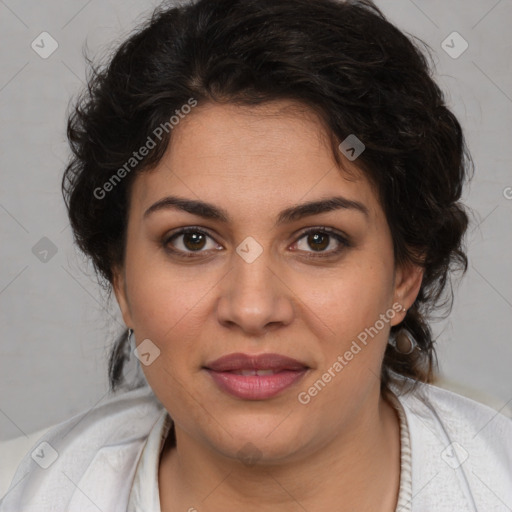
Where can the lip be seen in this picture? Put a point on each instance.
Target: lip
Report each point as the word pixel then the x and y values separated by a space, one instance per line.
pixel 239 361
pixel 281 373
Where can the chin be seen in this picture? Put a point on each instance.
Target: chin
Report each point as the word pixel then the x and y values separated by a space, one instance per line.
pixel 259 439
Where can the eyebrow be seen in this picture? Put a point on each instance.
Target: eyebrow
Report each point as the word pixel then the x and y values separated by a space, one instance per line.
pixel 291 214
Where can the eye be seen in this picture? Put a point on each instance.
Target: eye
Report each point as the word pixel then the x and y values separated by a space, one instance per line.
pixel 321 238
pixel 192 240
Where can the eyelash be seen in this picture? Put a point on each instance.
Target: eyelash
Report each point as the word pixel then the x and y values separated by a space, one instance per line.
pixel 344 243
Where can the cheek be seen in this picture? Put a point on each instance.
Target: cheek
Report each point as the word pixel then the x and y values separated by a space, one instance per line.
pixel 161 296
pixel 167 311
pixel 166 308
pixel 352 299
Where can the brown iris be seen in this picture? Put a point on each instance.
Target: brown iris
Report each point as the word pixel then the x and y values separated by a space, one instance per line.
pixel 318 238
pixel 194 241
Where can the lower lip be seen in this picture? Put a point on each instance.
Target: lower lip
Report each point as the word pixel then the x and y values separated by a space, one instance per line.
pixel 256 387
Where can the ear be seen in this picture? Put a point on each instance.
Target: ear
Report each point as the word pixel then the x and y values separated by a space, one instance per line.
pixel 408 279
pixel 119 286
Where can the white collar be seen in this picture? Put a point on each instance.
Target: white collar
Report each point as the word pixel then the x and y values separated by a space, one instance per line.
pixel 462 455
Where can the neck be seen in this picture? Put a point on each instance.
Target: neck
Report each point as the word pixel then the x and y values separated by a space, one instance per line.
pixel 358 469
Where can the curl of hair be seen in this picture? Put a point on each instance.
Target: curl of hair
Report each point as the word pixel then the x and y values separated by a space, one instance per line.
pixel 341 59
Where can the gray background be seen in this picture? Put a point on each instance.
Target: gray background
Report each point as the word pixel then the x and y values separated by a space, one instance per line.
pixel 57 326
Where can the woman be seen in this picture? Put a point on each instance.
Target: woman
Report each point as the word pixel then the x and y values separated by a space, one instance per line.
pixel 271 190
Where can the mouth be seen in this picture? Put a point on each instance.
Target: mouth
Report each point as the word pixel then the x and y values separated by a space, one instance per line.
pixel 255 377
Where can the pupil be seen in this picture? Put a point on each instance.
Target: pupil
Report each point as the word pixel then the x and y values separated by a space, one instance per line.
pixel 195 238
pixel 315 240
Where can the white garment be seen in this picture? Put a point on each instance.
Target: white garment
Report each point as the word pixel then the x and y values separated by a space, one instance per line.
pixel 460 457
pixel 145 494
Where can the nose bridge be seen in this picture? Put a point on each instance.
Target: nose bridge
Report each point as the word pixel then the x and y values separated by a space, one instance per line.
pixel 252 295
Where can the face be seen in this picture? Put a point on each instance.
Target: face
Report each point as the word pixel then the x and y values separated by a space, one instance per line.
pixel 246 278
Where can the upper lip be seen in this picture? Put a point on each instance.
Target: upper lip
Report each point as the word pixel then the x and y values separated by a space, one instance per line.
pixel 239 361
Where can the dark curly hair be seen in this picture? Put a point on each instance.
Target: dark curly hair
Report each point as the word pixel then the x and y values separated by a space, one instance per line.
pixel 342 59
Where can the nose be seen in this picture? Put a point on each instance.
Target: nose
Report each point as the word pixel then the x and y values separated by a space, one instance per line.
pixel 254 298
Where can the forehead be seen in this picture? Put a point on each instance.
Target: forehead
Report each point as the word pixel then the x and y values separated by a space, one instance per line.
pixel 257 156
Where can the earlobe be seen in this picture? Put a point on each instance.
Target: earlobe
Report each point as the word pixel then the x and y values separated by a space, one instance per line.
pixel 119 287
pixel 408 281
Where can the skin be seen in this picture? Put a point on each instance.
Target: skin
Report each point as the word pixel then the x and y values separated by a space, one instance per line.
pixel 340 451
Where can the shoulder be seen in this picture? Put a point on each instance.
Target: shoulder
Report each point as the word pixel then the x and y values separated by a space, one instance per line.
pixel 457 412
pixel 461 450
pixel 11 453
pixel 102 440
